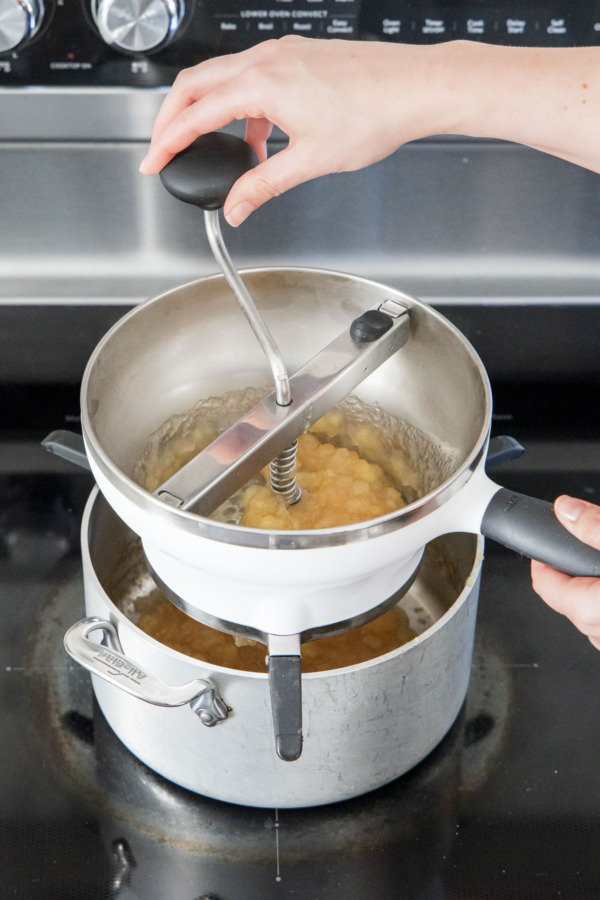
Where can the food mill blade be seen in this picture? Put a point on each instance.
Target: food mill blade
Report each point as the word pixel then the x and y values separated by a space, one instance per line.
pixel 239 453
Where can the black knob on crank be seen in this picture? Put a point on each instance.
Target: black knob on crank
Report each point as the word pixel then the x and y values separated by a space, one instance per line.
pixel 204 173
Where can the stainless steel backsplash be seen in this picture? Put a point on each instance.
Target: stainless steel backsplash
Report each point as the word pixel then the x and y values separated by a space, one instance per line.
pixel 502 238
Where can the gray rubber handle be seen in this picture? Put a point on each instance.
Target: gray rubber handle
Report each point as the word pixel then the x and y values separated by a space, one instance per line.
pixel 285 681
pixel 204 173
pixel 530 527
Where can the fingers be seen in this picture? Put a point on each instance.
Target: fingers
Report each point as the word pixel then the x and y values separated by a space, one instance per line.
pixel 205 98
pixel 217 109
pixel 576 598
pixel 582 519
pixel 314 91
pixel 550 585
pixel 194 83
pixel 271 178
pixel 183 93
pixel 258 132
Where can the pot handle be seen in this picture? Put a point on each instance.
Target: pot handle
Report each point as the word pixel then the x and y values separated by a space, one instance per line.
pixel 530 527
pixel 108 661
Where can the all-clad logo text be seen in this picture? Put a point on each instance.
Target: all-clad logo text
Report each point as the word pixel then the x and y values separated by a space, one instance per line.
pixel 119 667
pixel 514 498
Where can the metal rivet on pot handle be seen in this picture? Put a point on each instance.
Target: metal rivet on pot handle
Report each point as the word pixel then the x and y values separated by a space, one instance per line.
pixel 108 661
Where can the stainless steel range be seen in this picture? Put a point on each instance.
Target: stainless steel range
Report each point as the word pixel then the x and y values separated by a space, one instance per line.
pixel 505 242
pixel 506 239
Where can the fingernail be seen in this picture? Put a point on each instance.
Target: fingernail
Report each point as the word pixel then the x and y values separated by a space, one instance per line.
pixel 142 168
pixel 240 212
pixel 569 508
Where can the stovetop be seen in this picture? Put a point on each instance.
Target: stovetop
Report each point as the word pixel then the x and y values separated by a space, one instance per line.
pixel 507 806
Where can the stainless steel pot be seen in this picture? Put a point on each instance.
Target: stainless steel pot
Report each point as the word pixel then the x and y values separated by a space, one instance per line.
pixel 364 725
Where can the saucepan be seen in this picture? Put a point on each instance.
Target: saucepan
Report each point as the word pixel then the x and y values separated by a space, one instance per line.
pixel 208 727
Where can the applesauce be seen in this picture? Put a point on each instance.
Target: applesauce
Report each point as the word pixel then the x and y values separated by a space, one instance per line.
pixel 167 624
pixel 351 466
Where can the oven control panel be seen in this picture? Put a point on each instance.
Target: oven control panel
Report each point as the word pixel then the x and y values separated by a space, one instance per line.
pixel 135 44
pixel 532 23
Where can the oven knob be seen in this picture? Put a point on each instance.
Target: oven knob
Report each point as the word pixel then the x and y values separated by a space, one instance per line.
pixel 19 21
pixel 137 25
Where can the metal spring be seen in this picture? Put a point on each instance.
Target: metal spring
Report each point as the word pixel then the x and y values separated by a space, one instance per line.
pixel 282 475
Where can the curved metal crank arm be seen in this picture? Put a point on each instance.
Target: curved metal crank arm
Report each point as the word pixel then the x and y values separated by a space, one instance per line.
pixel 108 661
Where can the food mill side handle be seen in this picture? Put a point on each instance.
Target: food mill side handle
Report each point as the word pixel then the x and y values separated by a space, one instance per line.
pixel 530 527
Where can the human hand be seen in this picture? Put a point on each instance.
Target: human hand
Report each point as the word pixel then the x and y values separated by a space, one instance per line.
pixel 576 598
pixel 343 104
pixel 347 104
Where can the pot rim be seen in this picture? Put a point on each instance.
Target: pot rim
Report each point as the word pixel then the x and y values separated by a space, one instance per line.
pixel 115 613
pixel 291 540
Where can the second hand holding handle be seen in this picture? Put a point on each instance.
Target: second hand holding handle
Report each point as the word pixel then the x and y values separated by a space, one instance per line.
pixel 529 526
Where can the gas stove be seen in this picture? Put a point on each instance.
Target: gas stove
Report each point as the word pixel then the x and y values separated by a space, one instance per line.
pixel 505 807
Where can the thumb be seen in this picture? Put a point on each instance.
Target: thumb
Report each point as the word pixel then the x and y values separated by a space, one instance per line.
pixel 271 178
pixel 582 519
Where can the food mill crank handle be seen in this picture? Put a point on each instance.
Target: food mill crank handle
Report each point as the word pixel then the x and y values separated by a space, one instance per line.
pixel 202 175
